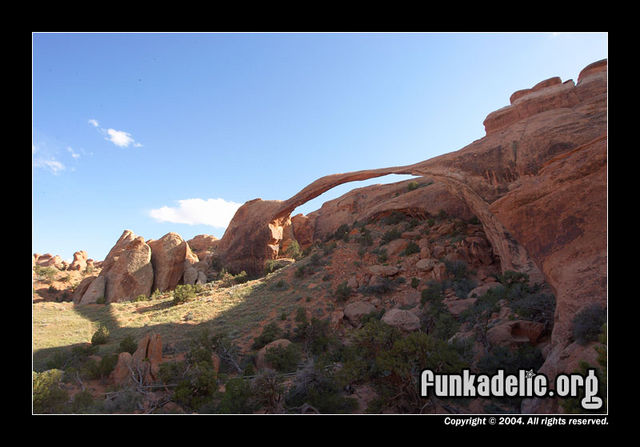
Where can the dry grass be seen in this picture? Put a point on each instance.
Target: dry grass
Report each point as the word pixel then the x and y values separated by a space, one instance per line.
pixel 239 311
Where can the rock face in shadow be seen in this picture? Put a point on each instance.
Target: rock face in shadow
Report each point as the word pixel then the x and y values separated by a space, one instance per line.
pixel 536 182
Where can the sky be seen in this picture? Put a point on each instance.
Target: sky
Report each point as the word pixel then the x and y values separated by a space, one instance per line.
pixel 172 132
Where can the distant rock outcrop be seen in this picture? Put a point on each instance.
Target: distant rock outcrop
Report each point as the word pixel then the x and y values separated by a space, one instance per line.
pixel 79 261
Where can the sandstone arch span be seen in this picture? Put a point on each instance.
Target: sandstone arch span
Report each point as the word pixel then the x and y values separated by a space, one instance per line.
pixel 255 232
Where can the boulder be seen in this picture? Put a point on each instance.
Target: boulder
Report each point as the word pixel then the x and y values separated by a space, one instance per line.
pixel 395 247
pixel 96 289
pixel 482 289
pixel 456 307
pixel 356 310
pixel 383 270
pixel 127 269
pixel 144 364
pixel 169 255
pixel 514 333
pixel 402 319
pixel 82 288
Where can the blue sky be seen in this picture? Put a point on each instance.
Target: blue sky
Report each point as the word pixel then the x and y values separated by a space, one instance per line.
pixel 171 132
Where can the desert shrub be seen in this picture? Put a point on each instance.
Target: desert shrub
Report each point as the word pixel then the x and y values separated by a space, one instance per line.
pixel 394 218
pixel 237 398
pixel 268 390
pixel 100 369
pixel 183 293
pixel 82 402
pixel 241 278
pixel 364 238
pixel 458 269
pixel 280 285
pixel 195 376
pixel 271 266
pixel 316 260
pixel 101 336
pixel 538 307
pixel 316 336
pixel 587 324
pixel 572 404
pixel 342 233
pixel 390 235
pixel 525 357
pixel 269 333
pixel 381 253
pixel 328 248
pixel 284 358
pixel 101 300
pixel 382 287
pixel 411 248
pixel 343 292
pixel 412 186
pixel 315 385
pixel 300 271
pixel 48 396
pixel 415 282
pixel 463 286
pixel 125 401
pixel 294 251
pixel 510 277
pixel 392 363
pixel 442 215
pixel 45 273
pixel 433 293
pixel 128 344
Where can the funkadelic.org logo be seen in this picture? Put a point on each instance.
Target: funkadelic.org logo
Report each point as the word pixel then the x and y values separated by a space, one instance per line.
pixel 525 384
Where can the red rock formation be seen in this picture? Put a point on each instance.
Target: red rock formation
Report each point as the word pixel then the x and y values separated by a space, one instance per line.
pixel 127 269
pixel 79 261
pixel 169 256
pixel 536 182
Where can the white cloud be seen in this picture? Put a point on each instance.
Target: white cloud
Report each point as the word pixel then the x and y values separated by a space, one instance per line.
pixel 119 137
pixel 73 153
pixel 51 164
pixel 214 212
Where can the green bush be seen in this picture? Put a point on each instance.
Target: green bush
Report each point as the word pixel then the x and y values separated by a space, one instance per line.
pixel 183 293
pixel 525 357
pixel 315 385
pixel 284 359
pixel 412 186
pixel 411 248
pixel 128 344
pixel 82 402
pixel 415 282
pixel 101 336
pixel 48 396
pixel 269 333
pixel 271 266
pixel 343 292
pixel 342 233
pixel 237 398
pixel 390 235
pixel 587 324
pixel 100 370
pixel 294 251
